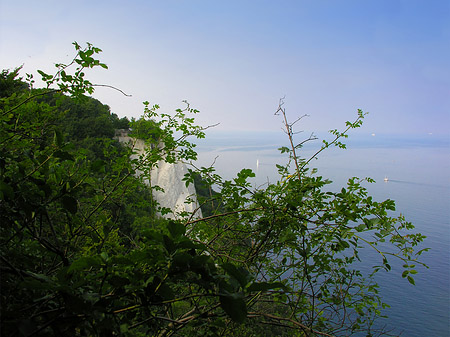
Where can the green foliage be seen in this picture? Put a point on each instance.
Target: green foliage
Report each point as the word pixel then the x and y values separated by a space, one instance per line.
pixel 10 84
pixel 145 129
pixel 82 252
pixel 206 195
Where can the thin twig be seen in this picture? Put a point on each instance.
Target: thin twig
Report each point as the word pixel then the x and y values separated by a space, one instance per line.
pixel 111 87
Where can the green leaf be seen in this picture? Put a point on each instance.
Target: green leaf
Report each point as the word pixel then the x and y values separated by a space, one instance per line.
pixel 235 307
pixel 176 229
pixel 263 286
pixel 186 243
pixel 77 304
pixel 58 138
pixel 168 244
pixel 33 284
pixel 41 277
pixel 6 190
pixel 70 203
pixel 98 166
pixel 283 149
pixel 85 262
pixel 360 227
pixel 181 261
pixel 411 280
pixel 63 155
pixel 118 281
pixel 200 261
pixel 240 274
pixel 104 256
pixel 124 328
pixel 166 292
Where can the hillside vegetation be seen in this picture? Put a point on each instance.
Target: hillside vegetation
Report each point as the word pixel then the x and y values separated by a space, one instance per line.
pixel 83 254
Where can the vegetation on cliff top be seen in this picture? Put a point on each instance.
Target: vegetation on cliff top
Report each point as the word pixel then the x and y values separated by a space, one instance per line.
pixel 83 254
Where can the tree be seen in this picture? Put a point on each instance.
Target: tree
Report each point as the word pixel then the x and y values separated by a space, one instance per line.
pixel 9 84
pixel 82 252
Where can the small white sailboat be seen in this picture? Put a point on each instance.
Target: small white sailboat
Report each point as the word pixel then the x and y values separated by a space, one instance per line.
pixel 386 178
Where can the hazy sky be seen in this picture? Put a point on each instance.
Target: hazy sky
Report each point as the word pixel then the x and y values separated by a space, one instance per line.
pixel 233 60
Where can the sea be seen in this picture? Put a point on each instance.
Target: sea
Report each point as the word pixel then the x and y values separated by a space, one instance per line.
pixel 412 170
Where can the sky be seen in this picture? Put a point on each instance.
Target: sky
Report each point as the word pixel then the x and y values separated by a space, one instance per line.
pixel 234 60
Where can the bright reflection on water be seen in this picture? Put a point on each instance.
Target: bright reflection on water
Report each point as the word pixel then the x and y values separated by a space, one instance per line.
pixel 418 172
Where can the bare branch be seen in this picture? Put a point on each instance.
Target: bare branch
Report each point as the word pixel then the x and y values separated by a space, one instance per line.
pixel 111 87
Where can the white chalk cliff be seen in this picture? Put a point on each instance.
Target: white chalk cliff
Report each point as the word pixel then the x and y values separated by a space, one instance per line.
pixel 175 195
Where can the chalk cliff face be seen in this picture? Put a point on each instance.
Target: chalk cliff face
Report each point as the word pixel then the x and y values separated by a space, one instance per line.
pixel 175 195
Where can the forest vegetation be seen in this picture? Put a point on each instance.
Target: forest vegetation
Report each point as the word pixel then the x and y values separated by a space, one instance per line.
pixel 83 252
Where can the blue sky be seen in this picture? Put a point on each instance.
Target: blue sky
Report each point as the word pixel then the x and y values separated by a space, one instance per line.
pixel 233 60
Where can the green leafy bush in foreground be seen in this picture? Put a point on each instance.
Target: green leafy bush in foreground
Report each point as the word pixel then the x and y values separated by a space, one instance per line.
pixel 82 253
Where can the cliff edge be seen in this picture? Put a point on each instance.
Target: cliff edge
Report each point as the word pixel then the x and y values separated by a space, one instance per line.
pixel 174 195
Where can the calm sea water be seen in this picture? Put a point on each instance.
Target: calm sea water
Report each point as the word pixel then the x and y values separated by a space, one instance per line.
pixel 418 169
